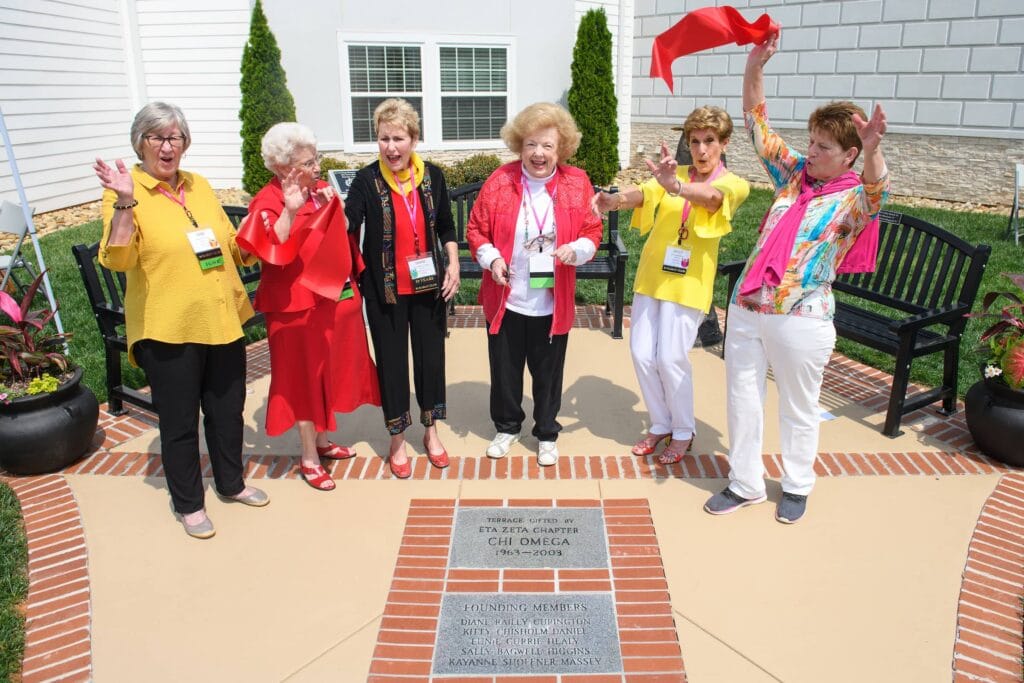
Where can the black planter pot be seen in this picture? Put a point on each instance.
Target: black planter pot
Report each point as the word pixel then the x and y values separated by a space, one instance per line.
pixel 47 432
pixel 995 416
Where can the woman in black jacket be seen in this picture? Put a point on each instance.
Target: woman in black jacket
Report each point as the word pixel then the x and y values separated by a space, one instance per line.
pixel 412 270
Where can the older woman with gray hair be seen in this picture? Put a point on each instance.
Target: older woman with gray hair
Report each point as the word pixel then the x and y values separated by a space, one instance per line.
pixel 184 308
pixel 319 358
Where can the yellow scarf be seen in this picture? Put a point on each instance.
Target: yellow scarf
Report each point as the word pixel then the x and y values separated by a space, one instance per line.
pixel 414 161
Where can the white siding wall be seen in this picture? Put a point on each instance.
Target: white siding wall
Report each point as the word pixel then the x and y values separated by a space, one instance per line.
pixel 64 96
pixel 620 23
pixel 949 67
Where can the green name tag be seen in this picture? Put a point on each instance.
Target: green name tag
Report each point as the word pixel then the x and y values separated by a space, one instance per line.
pixel 212 262
pixel 347 292
pixel 542 282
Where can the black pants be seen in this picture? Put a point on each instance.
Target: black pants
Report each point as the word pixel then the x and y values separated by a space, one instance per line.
pixel 524 340
pixel 183 378
pixel 420 317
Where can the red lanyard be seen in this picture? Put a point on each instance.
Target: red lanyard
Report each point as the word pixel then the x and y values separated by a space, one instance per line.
pixel 180 200
pixel 411 208
pixel 541 220
pixel 683 232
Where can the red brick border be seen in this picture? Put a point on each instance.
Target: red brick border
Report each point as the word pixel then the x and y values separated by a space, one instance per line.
pixel 988 624
pixel 58 614
pixel 649 645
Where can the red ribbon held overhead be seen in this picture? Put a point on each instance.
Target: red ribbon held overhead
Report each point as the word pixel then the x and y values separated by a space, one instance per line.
pixel 704 29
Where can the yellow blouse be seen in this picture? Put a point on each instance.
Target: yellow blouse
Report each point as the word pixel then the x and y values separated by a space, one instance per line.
pixel 169 297
pixel 660 215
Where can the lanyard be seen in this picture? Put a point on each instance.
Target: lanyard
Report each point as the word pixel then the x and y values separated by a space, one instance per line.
pixel 412 208
pixel 683 232
pixel 541 220
pixel 180 200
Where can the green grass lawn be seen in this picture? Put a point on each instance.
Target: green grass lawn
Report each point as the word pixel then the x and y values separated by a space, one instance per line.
pixel 972 227
pixel 13 584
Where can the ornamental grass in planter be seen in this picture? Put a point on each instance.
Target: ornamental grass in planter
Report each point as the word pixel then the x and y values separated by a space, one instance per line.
pixel 995 405
pixel 47 417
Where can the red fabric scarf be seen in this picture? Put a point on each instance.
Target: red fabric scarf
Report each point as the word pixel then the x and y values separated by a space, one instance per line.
pixel 770 264
pixel 321 241
pixel 704 29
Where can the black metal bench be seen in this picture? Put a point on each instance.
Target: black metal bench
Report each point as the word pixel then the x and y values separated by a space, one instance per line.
pixel 609 263
pixel 924 282
pixel 106 290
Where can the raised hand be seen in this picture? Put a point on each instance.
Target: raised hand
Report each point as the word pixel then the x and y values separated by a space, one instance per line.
pixel 665 171
pixel 326 194
pixel 118 179
pixel 294 193
pixel 871 131
pixel 760 54
pixel 603 202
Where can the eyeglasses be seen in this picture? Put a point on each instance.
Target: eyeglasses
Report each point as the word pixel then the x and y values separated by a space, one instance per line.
pixel 157 141
pixel 536 245
pixel 311 163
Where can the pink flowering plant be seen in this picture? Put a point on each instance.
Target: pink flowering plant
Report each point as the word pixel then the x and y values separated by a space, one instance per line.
pixel 32 359
pixel 1004 339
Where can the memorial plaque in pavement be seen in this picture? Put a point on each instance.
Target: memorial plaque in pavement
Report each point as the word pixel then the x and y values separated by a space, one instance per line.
pixel 527 633
pixel 493 537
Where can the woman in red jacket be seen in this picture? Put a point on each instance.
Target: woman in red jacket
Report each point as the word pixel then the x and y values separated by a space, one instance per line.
pixel 319 359
pixel 530 227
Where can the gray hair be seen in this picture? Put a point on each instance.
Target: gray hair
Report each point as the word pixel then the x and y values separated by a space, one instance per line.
pixel 281 141
pixel 158 116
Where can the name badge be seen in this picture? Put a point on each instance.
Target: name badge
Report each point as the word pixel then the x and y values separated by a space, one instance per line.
pixel 422 272
pixel 542 271
pixel 206 248
pixel 677 260
pixel 346 291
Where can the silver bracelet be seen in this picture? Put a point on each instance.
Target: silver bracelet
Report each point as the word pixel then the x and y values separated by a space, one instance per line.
pixel 679 183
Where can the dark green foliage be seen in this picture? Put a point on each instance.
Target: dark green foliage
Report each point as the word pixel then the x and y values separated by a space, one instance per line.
pixel 13 584
pixel 592 100
pixel 470 170
pixel 265 98
pixel 330 164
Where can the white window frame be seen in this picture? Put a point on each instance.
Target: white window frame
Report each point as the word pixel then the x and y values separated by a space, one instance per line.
pixel 430 60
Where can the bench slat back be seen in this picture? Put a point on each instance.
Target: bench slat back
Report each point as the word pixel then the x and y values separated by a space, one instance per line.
pixel 105 289
pixel 464 196
pixel 920 267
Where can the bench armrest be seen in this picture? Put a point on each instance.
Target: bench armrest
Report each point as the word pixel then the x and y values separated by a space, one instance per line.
pixel 943 314
pixel 617 249
pixel 732 268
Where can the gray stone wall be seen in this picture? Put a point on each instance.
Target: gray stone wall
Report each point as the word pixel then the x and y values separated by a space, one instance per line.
pixel 944 167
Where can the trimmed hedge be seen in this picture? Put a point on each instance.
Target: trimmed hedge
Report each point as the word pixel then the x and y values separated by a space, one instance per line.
pixel 470 170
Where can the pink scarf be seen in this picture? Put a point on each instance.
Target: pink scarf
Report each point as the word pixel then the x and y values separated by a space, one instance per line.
pixel 770 264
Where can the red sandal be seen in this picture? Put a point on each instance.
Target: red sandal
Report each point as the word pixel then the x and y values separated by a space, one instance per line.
pixel 438 460
pixel 333 451
pixel 671 456
pixel 649 443
pixel 317 477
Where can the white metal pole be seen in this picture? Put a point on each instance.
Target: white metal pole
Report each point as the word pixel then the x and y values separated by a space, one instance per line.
pixel 27 212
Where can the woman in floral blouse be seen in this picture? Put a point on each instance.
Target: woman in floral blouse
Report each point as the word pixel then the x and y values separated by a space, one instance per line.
pixel 822 222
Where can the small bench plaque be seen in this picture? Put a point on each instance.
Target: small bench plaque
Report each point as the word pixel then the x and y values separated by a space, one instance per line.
pixel 527 633
pixel 493 537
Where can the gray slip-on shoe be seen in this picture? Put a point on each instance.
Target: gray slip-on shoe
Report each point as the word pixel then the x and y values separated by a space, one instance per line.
pixel 791 508
pixel 256 498
pixel 725 501
pixel 203 529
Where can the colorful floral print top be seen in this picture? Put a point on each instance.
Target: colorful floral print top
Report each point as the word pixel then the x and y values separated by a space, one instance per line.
pixel 827 232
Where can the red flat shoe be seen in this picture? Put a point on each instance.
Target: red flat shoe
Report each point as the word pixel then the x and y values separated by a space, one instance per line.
pixel 403 471
pixel 649 443
pixel 671 456
pixel 438 460
pixel 333 451
pixel 317 477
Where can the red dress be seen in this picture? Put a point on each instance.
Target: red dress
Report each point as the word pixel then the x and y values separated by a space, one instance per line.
pixel 319 359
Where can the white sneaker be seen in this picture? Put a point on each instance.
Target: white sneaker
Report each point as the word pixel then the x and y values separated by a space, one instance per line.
pixel 547 454
pixel 501 444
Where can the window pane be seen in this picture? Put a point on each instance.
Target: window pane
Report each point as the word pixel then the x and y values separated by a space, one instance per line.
pixel 382 71
pixel 472 118
pixel 473 69
pixel 362 116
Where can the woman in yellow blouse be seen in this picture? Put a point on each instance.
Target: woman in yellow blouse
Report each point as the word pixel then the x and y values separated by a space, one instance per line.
pixel 686 210
pixel 184 308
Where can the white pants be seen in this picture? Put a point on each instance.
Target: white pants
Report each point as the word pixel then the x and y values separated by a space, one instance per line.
pixel 661 334
pixel 797 349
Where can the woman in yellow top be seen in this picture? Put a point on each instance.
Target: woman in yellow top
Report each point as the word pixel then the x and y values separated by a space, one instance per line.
pixel 686 210
pixel 184 308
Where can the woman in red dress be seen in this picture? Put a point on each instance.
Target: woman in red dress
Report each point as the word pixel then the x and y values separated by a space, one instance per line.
pixel 319 358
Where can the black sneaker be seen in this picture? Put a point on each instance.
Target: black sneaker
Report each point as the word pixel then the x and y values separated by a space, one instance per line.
pixel 791 508
pixel 725 501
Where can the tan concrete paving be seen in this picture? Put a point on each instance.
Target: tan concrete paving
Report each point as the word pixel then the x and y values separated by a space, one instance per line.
pixel 602 411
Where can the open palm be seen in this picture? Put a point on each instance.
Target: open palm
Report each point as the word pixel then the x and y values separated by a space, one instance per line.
pixel 871 131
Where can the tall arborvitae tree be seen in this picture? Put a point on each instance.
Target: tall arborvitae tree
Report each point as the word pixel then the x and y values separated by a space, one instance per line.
pixel 265 97
pixel 592 100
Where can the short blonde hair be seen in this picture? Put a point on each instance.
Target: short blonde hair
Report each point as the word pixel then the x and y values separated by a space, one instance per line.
pixel 395 111
pixel 710 118
pixel 158 116
pixel 282 141
pixel 538 116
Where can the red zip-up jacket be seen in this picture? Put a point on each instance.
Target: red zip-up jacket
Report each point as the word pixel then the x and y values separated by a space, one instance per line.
pixel 493 220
